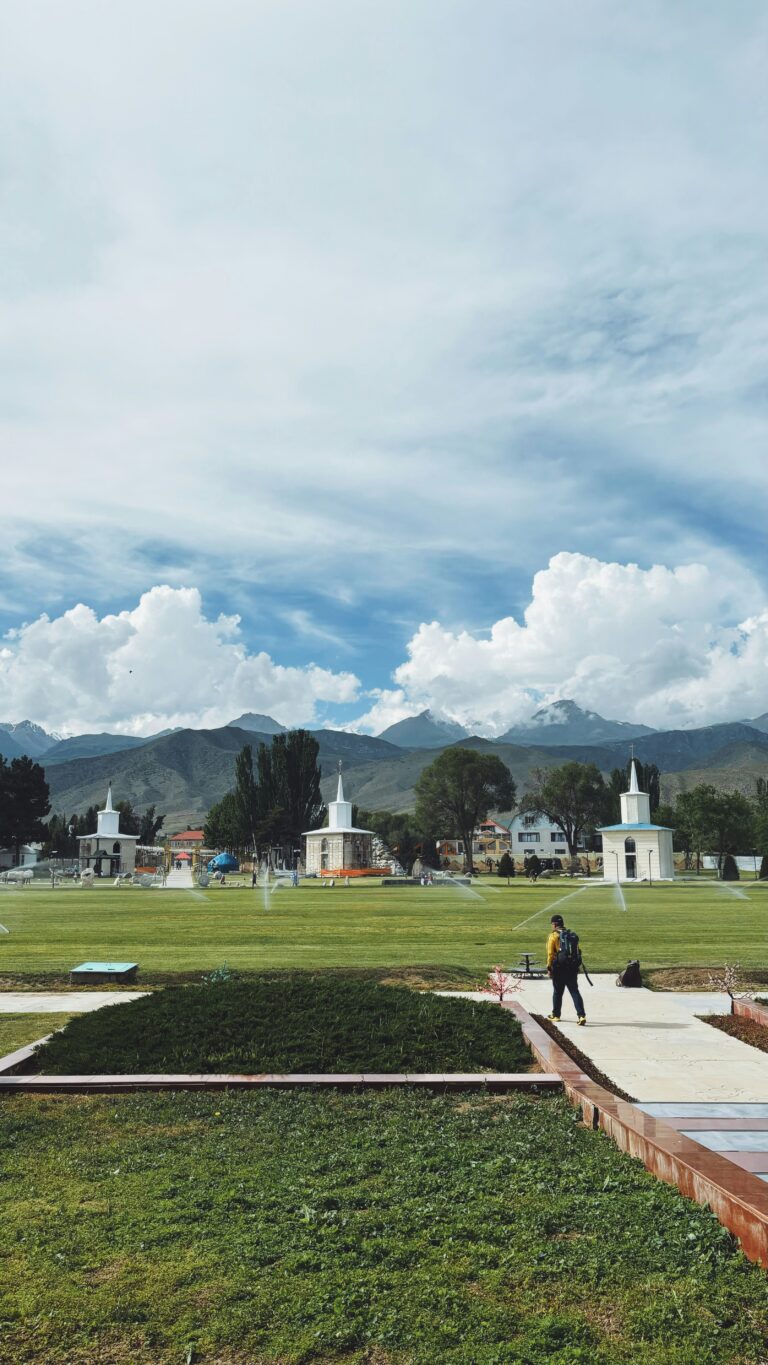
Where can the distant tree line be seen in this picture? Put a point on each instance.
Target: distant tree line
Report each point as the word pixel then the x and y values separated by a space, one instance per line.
pixel 24 803
pixel 403 835
pixel 457 790
pixel 275 799
pixel 720 824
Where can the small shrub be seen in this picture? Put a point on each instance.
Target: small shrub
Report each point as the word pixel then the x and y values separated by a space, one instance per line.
pixel 219 975
pixel 500 983
pixel 730 872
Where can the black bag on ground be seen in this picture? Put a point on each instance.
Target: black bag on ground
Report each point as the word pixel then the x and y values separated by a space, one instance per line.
pixel 631 975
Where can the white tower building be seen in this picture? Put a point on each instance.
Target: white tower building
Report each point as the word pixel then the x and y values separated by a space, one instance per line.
pixel 340 847
pixel 108 851
pixel 637 850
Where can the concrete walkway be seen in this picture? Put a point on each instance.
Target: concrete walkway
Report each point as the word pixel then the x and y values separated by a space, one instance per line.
pixel 651 1044
pixel 62 1002
pixel 179 879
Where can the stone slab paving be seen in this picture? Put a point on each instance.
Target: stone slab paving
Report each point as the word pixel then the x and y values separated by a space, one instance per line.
pixel 651 1044
pixel 179 879
pixel 737 1131
pixel 62 1002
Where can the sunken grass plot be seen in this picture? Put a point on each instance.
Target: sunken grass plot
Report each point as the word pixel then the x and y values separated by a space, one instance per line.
pixel 380 1229
pixel 292 1024
pixel 18 1030
pixel 167 932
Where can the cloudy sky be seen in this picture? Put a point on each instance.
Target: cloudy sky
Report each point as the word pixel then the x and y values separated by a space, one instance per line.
pixel 359 358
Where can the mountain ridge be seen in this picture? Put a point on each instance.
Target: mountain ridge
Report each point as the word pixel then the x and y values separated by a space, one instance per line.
pixel 423 731
pixel 185 772
pixel 564 722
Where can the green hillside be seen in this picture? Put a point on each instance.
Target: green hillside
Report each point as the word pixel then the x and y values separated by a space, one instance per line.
pixel 184 773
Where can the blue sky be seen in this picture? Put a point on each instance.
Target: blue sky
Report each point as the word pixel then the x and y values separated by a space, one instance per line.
pixel 352 319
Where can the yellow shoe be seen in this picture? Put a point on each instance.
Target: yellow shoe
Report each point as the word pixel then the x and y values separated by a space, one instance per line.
pixel 554 1018
pixel 582 1019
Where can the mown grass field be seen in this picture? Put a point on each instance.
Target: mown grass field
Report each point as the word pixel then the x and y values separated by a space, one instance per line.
pixel 373 926
pixel 17 1030
pixel 391 1229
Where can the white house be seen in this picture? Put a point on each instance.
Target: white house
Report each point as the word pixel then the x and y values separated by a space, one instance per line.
pixel 533 832
pixel 636 850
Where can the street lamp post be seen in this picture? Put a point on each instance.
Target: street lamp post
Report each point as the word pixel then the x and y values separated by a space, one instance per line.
pixel 616 856
pixel 754 861
pixel 650 867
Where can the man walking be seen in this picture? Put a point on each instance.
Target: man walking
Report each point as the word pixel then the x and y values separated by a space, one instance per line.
pixel 563 962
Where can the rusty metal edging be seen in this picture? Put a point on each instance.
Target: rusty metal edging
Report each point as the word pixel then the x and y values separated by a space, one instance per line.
pixel 738 1199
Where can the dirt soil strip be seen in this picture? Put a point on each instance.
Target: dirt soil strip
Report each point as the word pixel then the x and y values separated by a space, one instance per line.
pixel 586 1065
pixel 746 1030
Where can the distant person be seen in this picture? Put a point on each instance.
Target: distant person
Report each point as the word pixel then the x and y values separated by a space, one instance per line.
pixel 563 962
pixel 253 877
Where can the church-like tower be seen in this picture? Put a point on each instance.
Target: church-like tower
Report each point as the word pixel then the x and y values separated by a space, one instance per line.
pixel 107 852
pixel 339 847
pixel 636 850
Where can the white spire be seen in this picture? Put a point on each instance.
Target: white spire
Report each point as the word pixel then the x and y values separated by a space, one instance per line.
pixel 108 822
pixel 339 811
pixel 635 804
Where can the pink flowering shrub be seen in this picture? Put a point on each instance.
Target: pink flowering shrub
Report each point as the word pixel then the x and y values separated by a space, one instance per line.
pixel 500 983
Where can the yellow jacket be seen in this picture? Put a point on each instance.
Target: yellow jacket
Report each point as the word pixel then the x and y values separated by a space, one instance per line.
pixel 553 947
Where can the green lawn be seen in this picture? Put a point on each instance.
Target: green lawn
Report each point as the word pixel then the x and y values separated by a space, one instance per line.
pixel 293 1022
pixel 374 926
pixel 16 1030
pixel 393 1229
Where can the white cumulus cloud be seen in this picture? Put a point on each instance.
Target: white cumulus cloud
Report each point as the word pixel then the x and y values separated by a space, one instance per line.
pixel 161 664
pixel 668 647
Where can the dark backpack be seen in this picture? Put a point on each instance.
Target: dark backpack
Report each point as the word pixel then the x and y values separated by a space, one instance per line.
pixel 568 954
pixel 631 975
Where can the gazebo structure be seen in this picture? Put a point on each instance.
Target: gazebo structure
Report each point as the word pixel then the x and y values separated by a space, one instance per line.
pixel 636 850
pixel 339 849
pixel 107 852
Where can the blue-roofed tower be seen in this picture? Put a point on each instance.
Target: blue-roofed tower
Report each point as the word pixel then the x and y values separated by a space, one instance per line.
pixel 636 850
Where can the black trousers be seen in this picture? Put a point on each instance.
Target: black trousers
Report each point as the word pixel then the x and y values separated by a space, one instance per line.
pixel 566 978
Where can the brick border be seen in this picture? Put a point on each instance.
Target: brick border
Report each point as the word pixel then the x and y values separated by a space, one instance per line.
pixel 21 1058
pixel 738 1199
pixel 14 1079
pixel 749 1009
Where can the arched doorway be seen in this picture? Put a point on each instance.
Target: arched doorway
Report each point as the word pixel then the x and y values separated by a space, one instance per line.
pixel 630 859
pixel 324 855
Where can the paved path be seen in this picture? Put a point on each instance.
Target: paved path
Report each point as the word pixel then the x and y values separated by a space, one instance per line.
pixel 62 1002
pixel 179 879
pixel 652 1045
pixel 739 1132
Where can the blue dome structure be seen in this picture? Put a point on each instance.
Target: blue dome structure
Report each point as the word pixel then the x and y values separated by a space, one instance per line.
pixel 224 862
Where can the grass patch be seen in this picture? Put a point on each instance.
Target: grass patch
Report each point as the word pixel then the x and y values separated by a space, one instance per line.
pixel 738 1026
pixel 173 934
pixel 17 1030
pixel 290 1023
pixel 281 1229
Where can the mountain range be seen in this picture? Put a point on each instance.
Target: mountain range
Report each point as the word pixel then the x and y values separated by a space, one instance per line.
pixel 184 771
